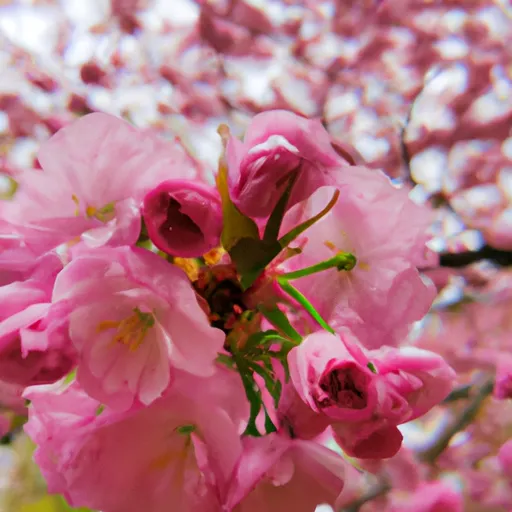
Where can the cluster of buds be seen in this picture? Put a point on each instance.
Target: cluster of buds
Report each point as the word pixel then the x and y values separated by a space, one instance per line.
pixel 194 346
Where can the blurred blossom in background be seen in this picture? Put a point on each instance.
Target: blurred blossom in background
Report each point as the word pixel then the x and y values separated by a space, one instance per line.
pixel 419 88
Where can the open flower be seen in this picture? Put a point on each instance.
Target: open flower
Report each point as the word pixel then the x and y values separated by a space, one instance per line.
pixel 133 317
pixel 276 473
pixel 384 293
pixel 95 174
pixel 174 453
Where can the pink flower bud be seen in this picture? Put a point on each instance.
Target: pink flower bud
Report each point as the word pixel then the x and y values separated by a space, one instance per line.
pixel 277 144
pixel 183 218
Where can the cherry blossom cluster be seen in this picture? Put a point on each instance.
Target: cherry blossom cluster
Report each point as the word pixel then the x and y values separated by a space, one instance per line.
pixel 203 346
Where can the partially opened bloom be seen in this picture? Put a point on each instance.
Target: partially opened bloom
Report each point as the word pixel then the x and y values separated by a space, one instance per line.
pixel 276 473
pixel 183 217
pixel 384 293
pixel 29 353
pixel 133 317
pixel 95 174
pixel 278 144
pixel 366 395
pixel 177 453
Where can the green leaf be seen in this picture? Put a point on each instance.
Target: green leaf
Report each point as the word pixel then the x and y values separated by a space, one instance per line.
pixel 252 392
pixel 254 397
pixel 236 224
pixel 225 360
pixel 372 368
pixel 272 384
pixel 296 231
pixel 276 217
pixel 263 339
pixel 269 425
pixel 277 318
pixel 251 256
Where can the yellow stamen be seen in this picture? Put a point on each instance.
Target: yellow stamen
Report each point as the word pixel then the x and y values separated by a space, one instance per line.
pixel 77 202
pixel 330 245
pixel 131 331
pixel 214 256
pixel 189 265
pixel 104 214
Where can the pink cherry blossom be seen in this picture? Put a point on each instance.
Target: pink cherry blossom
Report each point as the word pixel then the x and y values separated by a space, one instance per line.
pixel 133 317
pixel 175 452
pixel 276 145
pixel 296 418
pixel 376 222
pixel 431 497
pixel 277 473
pixel 16 260
pixel 95 174
pixel 503 385
pixel 29 352
pixel 183 217
pixel 366 395
pixel 422 377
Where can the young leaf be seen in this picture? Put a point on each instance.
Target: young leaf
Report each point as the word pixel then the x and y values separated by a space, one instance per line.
pixel 251 256
pixel 277 318
pixel 276 217
pixel 236 224
pixel 269 425
pixel 263 339
pixel 296 231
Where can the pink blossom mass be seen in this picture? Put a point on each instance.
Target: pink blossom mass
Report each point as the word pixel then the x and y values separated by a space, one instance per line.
pixel 255 256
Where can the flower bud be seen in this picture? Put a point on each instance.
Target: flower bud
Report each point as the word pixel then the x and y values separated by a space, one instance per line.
pixel 183 218
pixel 278 144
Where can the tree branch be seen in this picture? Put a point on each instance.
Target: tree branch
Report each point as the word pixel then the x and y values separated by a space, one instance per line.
pixel 461 259
pixel 377 490
pixel 467 415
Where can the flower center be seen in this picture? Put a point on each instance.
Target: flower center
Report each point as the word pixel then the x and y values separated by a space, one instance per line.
pixel 346 387
pixel 223 293
pixel 132 330
pixel 104 214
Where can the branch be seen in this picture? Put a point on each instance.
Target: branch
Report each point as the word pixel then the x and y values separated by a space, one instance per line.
pixel 376 491
pixel 461 259
pixel 467 415
pixel 458 394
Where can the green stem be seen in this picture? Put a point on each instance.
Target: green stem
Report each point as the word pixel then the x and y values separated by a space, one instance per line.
pixel 301 299
pixel 279 320
pixel 342 261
